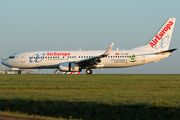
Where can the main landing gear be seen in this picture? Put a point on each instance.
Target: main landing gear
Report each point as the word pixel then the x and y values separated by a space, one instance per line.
pixel 19 71
pixel 88 71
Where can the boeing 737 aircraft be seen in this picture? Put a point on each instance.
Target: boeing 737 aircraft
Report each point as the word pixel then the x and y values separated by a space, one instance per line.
pixel 74 61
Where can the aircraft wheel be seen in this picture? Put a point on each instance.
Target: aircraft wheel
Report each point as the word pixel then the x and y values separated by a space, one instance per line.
pixel 88 71
pixel 19 71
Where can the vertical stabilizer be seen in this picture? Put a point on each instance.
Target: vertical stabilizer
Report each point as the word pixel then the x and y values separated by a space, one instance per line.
pixel 162 38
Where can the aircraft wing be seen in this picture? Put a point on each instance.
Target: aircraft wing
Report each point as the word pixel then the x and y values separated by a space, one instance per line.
pixel 95 60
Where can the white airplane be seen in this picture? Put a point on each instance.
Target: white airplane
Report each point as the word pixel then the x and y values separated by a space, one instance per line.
pixel 74 61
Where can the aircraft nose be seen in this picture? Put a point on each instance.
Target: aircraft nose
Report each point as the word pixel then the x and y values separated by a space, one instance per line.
pixel 4 62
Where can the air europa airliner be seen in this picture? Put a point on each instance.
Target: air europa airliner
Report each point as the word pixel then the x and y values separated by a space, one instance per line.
pixel 74 61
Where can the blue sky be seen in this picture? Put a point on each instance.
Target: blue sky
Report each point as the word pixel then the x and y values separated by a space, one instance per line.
pixel 34 25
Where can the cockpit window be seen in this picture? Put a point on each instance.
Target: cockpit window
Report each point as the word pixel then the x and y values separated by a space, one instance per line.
pixel 11 57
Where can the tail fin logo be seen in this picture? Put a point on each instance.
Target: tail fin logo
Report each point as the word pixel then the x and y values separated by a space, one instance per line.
pixel 160 35
pixel 163 43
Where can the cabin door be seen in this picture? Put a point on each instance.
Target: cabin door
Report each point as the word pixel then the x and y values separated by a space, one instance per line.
pixel 22 58
pixel 143 57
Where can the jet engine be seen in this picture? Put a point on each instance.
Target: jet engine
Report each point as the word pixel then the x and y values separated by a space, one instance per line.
pixel 69 66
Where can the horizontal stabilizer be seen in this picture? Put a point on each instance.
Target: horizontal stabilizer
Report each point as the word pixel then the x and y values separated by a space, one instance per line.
pixel 170 51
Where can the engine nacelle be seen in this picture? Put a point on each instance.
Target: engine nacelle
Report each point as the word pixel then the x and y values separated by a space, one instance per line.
pixel 69 67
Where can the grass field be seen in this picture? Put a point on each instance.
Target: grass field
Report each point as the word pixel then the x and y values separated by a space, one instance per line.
pixel 92 96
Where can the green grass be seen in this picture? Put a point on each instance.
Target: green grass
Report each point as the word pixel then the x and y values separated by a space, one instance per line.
pixel 92 96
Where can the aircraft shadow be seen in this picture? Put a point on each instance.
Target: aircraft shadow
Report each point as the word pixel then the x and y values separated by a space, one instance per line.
pixel 89 110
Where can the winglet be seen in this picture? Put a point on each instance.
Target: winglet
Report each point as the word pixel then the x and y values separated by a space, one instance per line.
pixel 109 49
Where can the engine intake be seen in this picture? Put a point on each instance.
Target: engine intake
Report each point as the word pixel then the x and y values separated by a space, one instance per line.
pixel 69 67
